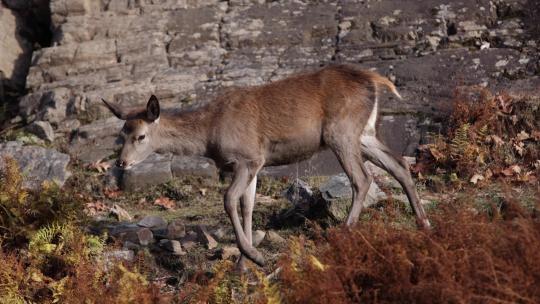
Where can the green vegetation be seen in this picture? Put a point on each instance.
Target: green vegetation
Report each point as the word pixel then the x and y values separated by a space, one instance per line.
pixel 48 258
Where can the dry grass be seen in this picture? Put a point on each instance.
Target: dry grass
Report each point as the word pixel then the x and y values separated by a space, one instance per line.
pixel 468 257
pixel 489 137
pixel 484 246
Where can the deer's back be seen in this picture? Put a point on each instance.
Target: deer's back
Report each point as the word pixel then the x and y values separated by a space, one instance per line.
pixel 286 119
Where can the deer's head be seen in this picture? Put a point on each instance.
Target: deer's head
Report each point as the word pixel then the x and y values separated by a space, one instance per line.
pixel 139 132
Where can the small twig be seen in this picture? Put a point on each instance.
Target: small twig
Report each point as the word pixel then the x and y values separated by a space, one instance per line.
pixel 373 248
pixel 274 274
pixel 496 300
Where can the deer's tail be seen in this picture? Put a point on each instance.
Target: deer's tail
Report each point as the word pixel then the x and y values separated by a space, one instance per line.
pixel 379 80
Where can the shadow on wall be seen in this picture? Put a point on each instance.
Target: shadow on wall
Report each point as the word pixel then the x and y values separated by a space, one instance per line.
pixel 532 26
pixel 25 26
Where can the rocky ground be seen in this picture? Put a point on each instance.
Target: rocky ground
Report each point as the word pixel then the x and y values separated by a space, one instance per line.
pixel 184 217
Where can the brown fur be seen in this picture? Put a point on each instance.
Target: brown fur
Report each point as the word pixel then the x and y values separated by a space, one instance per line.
pixel 283 121
pixel 274 124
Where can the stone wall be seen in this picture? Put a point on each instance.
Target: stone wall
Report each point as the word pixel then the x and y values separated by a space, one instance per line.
pixel 15 50
pixel 184 51
pixel 24 25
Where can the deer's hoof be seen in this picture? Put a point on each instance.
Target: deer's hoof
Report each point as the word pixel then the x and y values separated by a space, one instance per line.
pixel 258 258
pixel 425 224
pixel 254 255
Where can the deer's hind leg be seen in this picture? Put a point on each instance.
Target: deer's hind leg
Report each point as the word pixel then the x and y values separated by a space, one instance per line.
pixel 380 155
pixel 244 172
pixel 347 148
pixel 247 203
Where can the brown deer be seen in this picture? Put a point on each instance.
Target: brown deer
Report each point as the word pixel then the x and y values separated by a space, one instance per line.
pixel 279 123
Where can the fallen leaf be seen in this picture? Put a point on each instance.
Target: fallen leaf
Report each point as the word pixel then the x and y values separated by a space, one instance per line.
pixel 519 147
pixel 523 136
pixel 514 119
pixel 528 177
pixel 36 277
pixel 488 174
pixel 505 105
pixel 536 135
pixel 420 167
pixel 475 178
pixel 112 193
pixel 100 166
pixel 165 202
pixel 516 168
pixel 512 170
pixel 495 139
pixel 436 154
pixel 94 208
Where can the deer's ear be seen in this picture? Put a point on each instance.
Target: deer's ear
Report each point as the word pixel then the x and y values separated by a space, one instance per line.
pixel 115 110
pixel 152 108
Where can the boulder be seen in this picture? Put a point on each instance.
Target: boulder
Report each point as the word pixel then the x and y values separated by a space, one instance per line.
pixel 190 240
pixel 120 213
pixel 337 194
pixel 153 221
pixel 219 233
pixel 121 228
pixel 258 237
pixel 156 169
pixel 54 104
pixel 192 165
pixel 96 141
pixel 339 187
pixel 300 194
pixel 42 129
pixel 145 236
pixel 118 255
pixel 39 164
pixel 128 245
pixel 111 258
pixel 173 246
pixel 272 238
pixel 176 230
pixel 229 251
pixel 205 237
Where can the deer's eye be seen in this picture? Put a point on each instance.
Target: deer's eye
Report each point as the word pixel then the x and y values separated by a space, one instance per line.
pixel 140 137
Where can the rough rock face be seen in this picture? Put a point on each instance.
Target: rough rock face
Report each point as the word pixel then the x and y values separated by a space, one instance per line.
pixel 40 164
pixel 158 168
pixel 24 24
pixel 13 47
pixel 186 50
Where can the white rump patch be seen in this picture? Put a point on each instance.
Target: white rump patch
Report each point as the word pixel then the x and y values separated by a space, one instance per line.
pixel 370 128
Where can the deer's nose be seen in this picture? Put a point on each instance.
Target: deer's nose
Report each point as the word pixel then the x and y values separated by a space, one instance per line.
pixel 121 163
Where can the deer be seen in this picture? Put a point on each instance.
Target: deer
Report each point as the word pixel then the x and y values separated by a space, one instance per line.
pixel 283 122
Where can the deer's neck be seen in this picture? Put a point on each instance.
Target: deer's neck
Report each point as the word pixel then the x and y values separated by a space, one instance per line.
pixel 184 133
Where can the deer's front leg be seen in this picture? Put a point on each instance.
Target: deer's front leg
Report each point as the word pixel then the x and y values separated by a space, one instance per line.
pixel 238 186
pixel 247 203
